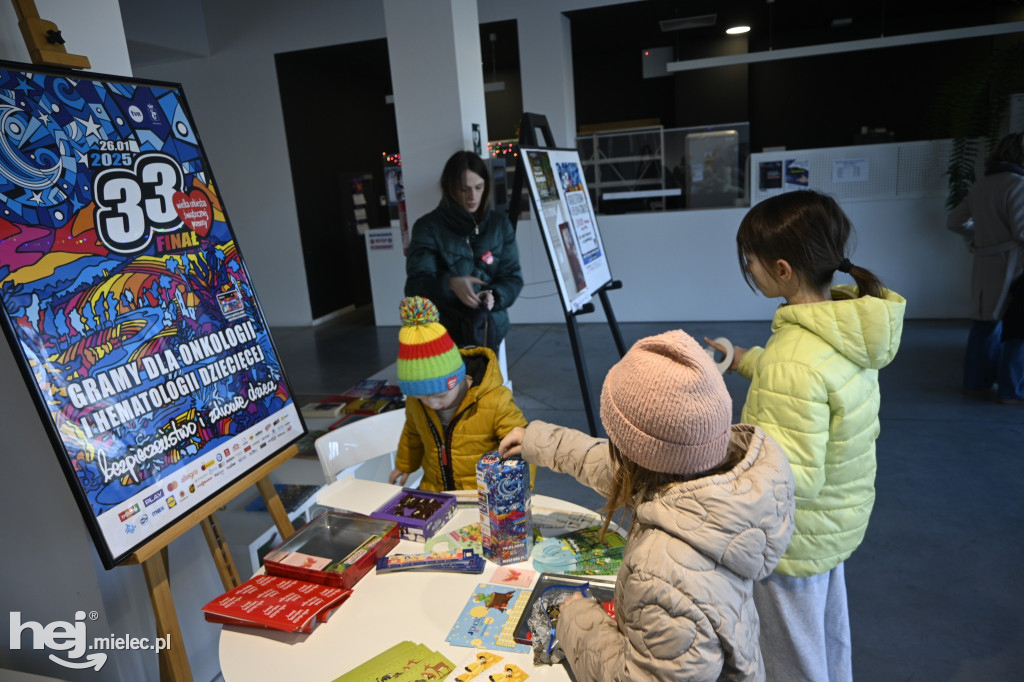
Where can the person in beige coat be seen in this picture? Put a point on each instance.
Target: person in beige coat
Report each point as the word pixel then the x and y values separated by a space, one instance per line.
pixel 712 511
pixel 992 217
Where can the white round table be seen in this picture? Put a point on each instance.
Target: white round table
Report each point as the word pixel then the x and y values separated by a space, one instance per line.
pixel 420 606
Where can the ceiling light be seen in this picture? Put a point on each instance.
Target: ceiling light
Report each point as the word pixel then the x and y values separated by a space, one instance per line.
pixel 737 30
pixel 847 46
pixel 688 22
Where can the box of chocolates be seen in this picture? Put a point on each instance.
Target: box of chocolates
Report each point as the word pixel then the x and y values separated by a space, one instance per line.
pixel 418 513
pixel 503 494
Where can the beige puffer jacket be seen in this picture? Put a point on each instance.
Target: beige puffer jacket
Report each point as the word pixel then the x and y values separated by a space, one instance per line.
pixel 683 603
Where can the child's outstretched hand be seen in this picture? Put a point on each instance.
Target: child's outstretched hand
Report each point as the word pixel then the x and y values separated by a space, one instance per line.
pixel 737 353
pixel 512 444
pixel 398 476
pixel 571 598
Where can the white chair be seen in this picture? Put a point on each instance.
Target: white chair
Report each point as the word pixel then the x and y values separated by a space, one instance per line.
pixel 346 449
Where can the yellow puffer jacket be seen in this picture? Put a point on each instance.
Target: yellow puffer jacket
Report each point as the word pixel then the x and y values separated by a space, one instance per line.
pixel 814 389
pixel 486 416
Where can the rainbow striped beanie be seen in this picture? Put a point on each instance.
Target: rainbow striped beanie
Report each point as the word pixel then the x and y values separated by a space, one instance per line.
pixel 428 361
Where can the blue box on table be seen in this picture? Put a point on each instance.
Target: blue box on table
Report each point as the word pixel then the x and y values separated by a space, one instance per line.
pixel 506 523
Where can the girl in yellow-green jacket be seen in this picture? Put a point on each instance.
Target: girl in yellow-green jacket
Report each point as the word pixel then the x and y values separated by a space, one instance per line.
pixel 814 389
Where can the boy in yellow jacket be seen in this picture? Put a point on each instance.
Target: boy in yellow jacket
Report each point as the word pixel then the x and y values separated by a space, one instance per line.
pixel 457 406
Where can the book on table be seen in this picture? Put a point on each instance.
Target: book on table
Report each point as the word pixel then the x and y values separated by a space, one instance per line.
pixel 404 661
pixel 329 407
pixel 277 603
pixel 489 617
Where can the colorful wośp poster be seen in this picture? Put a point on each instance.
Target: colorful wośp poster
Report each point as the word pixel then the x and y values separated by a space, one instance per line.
pixel 566 216
pixel 127 304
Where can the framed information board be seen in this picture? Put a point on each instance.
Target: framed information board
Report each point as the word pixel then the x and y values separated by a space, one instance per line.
pixel 127 304
pixel 562 204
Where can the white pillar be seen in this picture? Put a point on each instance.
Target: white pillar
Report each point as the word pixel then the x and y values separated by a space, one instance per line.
pixel 545 63
pixel 436 71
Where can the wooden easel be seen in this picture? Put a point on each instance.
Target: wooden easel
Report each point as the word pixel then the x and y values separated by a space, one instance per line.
pixel 154 558
pixel 43 39
pixel 529 126
pixel 46 47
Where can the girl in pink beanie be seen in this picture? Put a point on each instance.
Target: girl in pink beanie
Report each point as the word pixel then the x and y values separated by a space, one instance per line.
pixel 712 511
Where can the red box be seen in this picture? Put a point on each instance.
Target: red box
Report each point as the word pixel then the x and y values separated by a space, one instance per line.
pixel 335 548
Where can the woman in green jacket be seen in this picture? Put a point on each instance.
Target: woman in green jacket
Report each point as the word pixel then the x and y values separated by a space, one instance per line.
pixel 814 389
pixel 463 256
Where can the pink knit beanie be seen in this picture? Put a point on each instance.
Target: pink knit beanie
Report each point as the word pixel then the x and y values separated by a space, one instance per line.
pixel 665 406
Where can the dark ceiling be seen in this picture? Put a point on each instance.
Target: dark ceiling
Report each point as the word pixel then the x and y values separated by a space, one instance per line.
pixel 896 89
pixel 783 23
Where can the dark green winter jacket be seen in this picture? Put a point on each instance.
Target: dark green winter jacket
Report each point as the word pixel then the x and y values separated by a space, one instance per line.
pixel 446 243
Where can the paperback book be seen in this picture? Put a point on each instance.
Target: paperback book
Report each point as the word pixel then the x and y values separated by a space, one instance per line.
pixel 404 661
pixel 268 601
pixel 488 619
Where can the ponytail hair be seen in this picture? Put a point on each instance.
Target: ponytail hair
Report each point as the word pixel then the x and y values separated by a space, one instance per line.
pixel 867 282
pixel 621 497
pixel 809 231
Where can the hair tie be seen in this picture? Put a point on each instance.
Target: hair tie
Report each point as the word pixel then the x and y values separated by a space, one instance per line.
pixel 845 265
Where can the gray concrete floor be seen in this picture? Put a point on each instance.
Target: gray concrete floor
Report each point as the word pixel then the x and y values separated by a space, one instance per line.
pixel 935 591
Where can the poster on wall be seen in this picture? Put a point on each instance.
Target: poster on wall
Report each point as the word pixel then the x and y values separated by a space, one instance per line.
pixel 769 175
pixel 359 215
pixel 798 174
pixel 562 204
pixel 396 203
pixel 127 304
pixel 850 170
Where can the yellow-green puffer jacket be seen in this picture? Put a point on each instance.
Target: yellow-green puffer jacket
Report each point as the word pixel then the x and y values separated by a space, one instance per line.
pixel 814 389
pixel 486 416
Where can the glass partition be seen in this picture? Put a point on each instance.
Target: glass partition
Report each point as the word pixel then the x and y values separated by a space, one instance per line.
pixel 658 169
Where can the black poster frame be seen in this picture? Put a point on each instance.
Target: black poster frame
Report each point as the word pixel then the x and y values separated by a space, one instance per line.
pixel 529 127
pixel 103 133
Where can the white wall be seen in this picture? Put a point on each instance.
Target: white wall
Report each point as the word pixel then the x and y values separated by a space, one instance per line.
pixel 49 568
pixel 234 98
pixel 92 29
pixel 170 30
pixel 439 96
pixel 682 265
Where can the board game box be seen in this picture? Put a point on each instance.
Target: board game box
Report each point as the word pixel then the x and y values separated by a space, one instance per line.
pixel 335 548
pixel 503 490
pixel 418 513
